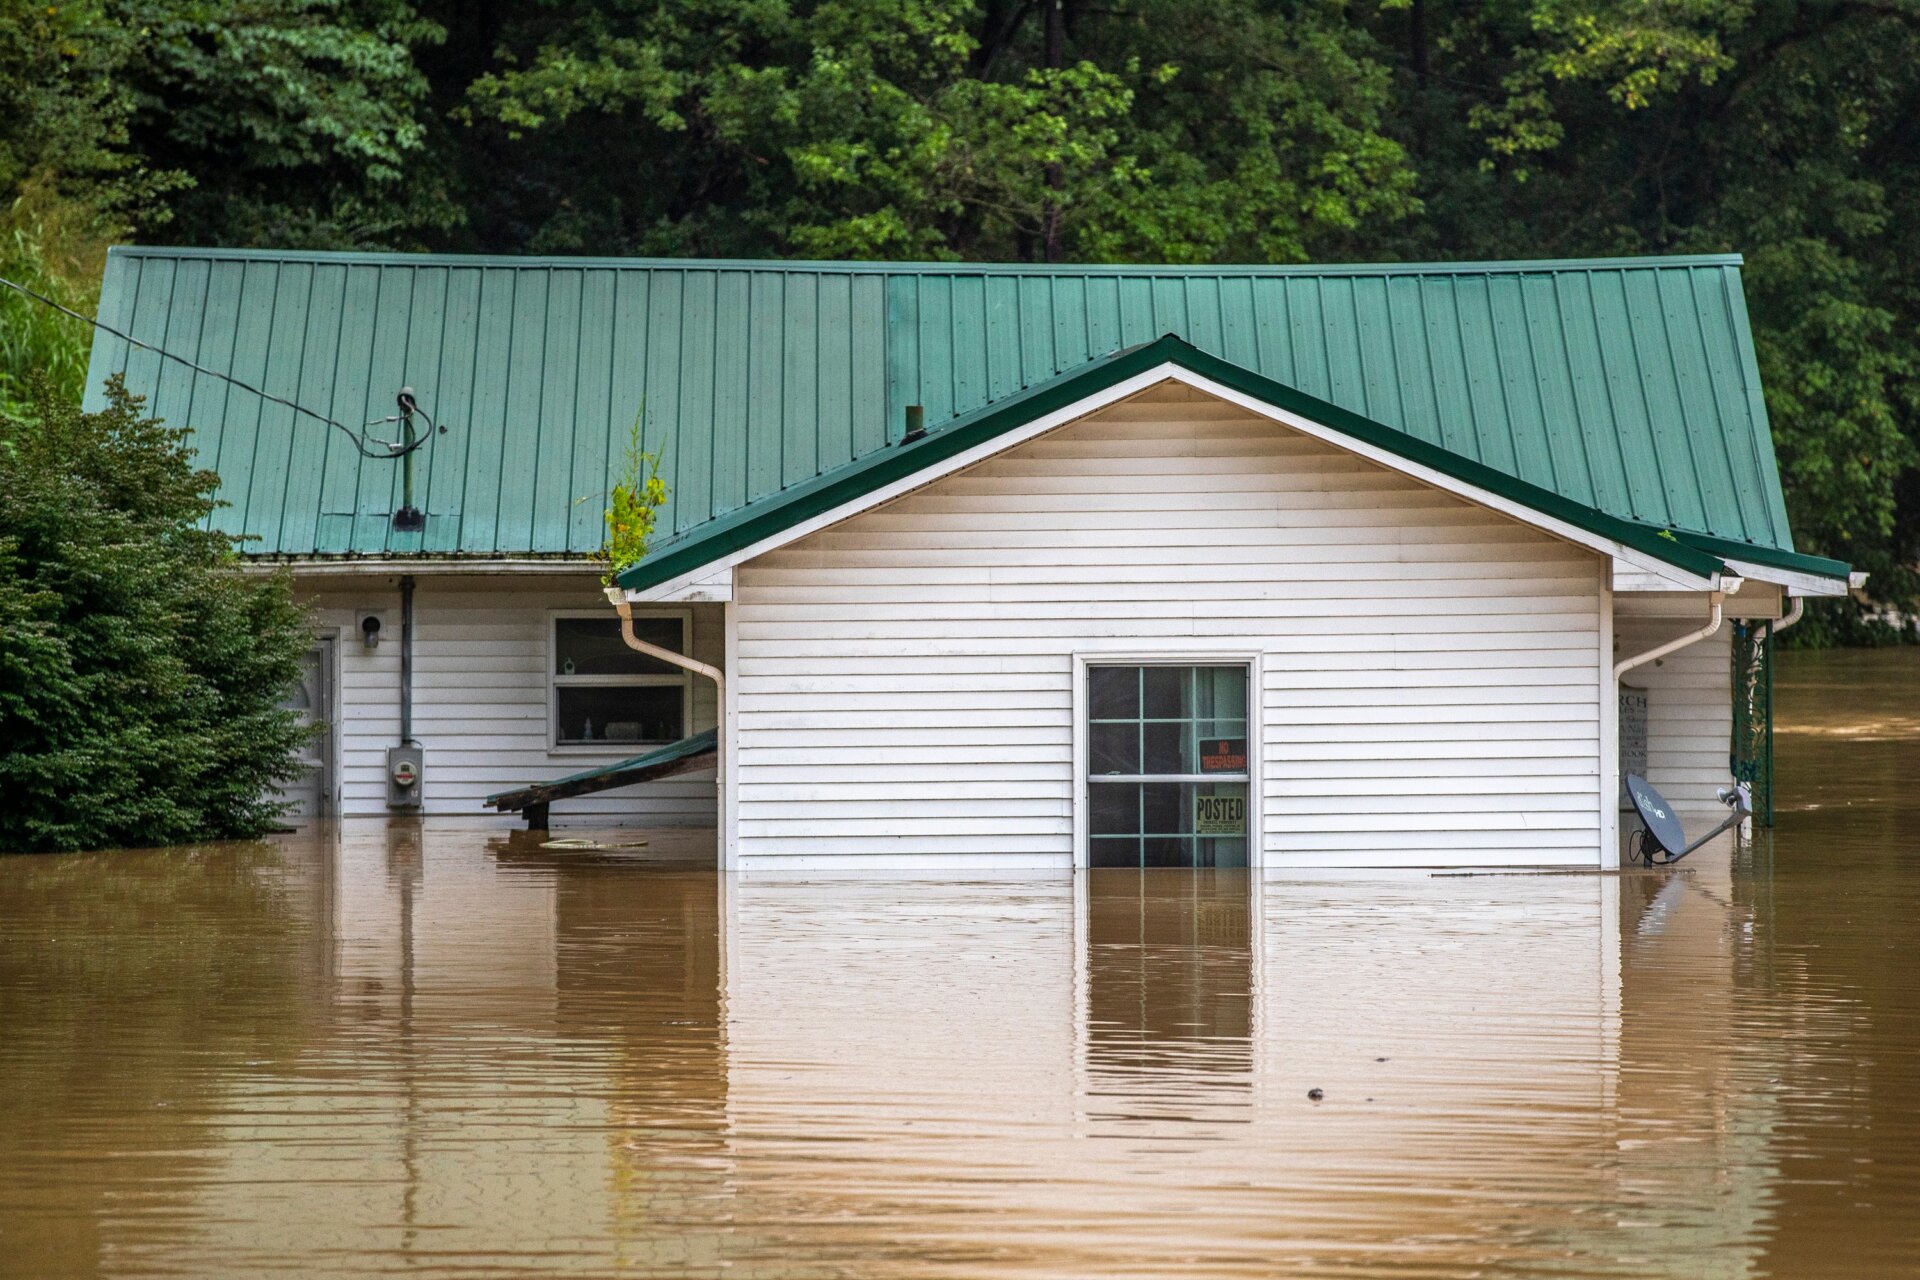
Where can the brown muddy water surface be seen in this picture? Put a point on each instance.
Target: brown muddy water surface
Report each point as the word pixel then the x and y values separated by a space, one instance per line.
pixel 458 1055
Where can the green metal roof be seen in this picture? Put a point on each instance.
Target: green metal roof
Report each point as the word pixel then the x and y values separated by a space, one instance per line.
pixel 740 529
pixel 1627 386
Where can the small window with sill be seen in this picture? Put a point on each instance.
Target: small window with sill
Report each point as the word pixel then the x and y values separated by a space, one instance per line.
pixel 608 695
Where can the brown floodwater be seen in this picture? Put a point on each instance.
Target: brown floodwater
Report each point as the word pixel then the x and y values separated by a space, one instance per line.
pixel 451 1054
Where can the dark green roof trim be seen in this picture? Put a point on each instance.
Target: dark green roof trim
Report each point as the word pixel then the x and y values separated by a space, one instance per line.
pixel 757 521
pixel 1766 460
pixel 1793 561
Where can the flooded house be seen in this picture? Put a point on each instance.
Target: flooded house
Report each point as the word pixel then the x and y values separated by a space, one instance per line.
pixel 1004 567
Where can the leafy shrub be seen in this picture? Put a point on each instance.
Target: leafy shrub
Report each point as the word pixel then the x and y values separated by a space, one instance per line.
pixel 141 669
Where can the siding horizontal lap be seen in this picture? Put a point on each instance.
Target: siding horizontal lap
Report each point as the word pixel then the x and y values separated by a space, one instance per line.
pixel 904 678
pixel 480 699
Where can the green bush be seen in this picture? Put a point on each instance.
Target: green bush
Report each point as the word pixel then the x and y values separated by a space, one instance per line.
pixel 141 669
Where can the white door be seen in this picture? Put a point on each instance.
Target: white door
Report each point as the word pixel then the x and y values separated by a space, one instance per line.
pixel 312 698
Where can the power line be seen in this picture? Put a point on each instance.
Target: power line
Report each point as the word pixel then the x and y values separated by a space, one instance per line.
pixel 392 448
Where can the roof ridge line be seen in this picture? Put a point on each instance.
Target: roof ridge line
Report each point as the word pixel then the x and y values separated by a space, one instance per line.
pixel 1515 266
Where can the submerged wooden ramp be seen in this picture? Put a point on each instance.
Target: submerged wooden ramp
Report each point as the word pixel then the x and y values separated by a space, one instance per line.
pixel 698 752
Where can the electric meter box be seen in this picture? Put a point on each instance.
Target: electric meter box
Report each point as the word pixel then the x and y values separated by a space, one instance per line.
pixel 404 768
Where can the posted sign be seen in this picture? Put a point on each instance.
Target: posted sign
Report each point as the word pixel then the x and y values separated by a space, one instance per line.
pixel 1219 815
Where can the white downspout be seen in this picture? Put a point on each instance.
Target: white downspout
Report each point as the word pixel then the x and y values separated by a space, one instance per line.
pixel 618 599
pixel 1790 617
pixel 1717 602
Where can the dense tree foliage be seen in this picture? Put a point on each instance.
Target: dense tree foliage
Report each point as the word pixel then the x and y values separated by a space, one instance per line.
pixel 140 675
pixel 1076 130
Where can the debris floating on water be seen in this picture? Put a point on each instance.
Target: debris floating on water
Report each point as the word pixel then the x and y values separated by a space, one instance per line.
pixel 580 843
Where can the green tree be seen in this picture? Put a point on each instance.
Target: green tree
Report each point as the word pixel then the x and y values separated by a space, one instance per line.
pixel 66 175
pixel 290 123
pixel 293 123
pixel 1786 132
pixel 1165 130
pixel 141 670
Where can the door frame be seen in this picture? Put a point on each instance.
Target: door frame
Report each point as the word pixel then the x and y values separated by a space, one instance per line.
pixel 327 640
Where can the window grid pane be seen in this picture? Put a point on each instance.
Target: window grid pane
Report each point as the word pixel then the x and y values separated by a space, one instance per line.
pixel 594 647
pixel 1185 721
pixel 619 714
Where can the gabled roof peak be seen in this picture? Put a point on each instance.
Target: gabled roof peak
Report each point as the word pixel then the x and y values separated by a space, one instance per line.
pixel 1092 386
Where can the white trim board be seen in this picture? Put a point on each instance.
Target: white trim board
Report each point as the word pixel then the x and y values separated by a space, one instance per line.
pixel 1800 584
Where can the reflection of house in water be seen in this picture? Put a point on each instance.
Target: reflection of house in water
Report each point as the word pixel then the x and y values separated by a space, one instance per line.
pixel 543 1061
pixel 523 1051
pixel 1508 1086
pixel 929 1082
pixel 1699 1092
pixel 638 972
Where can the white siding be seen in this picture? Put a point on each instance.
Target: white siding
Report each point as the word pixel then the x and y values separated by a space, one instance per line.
pixel 1431 670
pixel 480 697
pixel 1689 695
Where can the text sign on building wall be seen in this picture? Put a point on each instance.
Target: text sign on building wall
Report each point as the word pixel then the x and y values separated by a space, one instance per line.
pixel 1223 755
pixel 1219 815
pixel 1633 738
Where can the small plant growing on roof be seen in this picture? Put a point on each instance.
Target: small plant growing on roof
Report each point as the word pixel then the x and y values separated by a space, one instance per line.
pixel 633 505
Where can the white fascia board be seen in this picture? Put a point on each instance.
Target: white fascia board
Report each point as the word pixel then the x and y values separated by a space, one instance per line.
pixel 706 585
pixel 1639 560
pixel 1676 578
pixel 1629 578
pixel 1800 584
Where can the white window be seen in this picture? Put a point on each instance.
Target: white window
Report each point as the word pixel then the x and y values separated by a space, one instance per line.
pixel 603 695
pixel 1167 775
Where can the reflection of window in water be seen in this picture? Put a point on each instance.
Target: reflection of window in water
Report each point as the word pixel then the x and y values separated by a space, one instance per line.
pixel 1169 996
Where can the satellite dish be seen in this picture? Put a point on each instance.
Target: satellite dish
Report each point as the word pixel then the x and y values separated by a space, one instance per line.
pixel 1664 833
pixel 1663 842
